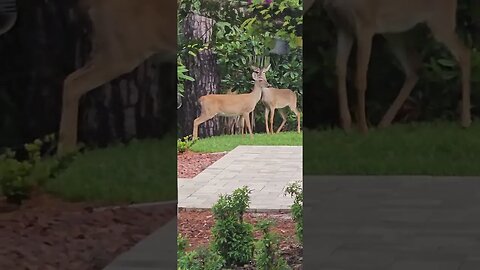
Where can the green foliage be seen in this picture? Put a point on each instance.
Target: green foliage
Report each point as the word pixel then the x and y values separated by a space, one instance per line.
pixel 202 258
pixel 232 237
pixel 296 192
pixel 244 33
pixel 19 178
pixel 185 144
pixel 267 249
pixel 182 77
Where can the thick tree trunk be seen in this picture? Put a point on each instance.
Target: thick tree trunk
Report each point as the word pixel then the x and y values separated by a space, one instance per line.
pixel 203 68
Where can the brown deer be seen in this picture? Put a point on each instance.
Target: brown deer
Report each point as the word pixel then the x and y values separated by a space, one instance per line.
pixel 125 33
pixel 232 105
pixel 362 19
pixel 275 98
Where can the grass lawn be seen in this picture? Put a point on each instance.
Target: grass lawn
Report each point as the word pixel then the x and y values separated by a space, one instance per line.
pixel 229 142
pixel 415 149
pixel 142 171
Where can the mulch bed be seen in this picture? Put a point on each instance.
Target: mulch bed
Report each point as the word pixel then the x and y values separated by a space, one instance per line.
pixel 190 163
pixel 47 233
pixel 196 226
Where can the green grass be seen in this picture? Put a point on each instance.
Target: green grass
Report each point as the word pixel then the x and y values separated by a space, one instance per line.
pixel 415 149
pixel 229 142
pixel 142 171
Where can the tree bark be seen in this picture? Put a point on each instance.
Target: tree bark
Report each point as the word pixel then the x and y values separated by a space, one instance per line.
pixel 203 68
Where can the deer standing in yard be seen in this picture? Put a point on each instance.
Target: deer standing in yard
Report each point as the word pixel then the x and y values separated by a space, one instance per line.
pixel 275 98
pixel 125 33
pixel 362 19
pixel 232 105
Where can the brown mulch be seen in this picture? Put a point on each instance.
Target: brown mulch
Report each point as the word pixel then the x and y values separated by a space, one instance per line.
pixel 190 163
pixel 47 233
pixel 196 226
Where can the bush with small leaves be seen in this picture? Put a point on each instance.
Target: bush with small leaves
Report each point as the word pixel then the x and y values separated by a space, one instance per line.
pixel 184 144
pixel 202 258
pixel 232 237
pixel 267 255
pixel 296 192
pixel 19 178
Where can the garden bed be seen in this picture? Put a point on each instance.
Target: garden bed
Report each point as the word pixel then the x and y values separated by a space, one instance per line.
pixel 196 226
pixel 44 227
pixel 190 164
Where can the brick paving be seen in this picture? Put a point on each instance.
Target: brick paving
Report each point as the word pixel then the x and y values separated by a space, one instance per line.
pixel 267 170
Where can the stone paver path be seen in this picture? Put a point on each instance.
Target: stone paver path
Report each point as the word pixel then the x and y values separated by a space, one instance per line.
pixel 267 170
pixel 392 223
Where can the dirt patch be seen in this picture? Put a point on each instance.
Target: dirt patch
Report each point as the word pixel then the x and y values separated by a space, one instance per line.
pixel 190 163
pixel 35 234
pixel 196 226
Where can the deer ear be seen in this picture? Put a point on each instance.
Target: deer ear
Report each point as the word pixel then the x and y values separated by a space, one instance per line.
pixel 267 68
pixel 254 76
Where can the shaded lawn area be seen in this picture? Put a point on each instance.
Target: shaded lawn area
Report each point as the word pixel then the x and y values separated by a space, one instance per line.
pixel 142 171
pixel 409 149
pixel 229 142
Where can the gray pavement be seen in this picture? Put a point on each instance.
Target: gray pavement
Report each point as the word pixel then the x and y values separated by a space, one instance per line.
pixel 391 223
pixel 267 170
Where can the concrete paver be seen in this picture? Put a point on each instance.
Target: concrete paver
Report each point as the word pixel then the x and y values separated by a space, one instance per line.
pixel 267 170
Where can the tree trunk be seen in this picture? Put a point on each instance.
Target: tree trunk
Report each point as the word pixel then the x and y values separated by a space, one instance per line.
pixel 203 68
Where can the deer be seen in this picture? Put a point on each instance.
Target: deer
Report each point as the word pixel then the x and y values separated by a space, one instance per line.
pixel 232 105
pixel 125 34
pixel 275 98
pixel 362 19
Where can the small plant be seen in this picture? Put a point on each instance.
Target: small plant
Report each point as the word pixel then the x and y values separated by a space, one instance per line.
pixel 267 255
pixel 19 178
pixel 202 258
pixel 232 237
pixel 184 144
pixel 295 191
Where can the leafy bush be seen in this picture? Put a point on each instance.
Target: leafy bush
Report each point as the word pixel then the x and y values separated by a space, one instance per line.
pixel 232 237
pixel 296 192
pixel 267 255
pixel 202 258
pixel 184 144
pixel 19 178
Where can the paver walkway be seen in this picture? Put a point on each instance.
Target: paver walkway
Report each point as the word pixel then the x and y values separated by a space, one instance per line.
pixel 267 170
pixel 391 223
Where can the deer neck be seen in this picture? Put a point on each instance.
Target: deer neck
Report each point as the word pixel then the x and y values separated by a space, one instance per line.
pixel 257 91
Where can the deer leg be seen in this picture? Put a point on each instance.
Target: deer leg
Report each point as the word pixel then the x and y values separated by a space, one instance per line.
pixel 344 47
pixel 96 73
pixel 199 120
pixel 363 57
pixel 447 35
pixel 284 119
pixel 247 120
pixel 410 64
pixel 266 120
pixel 272 116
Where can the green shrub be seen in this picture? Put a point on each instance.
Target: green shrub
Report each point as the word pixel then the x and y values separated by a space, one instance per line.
pixel 184 144
pixel 232 237
pixel 296 192
pixel 267 255
pixel 202 258
pixel 19 178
